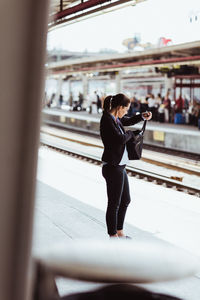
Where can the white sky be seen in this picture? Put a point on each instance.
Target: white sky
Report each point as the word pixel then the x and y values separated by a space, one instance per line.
pixel 151 19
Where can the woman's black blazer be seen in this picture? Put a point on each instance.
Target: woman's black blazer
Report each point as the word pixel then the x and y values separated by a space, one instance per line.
pixel 114 141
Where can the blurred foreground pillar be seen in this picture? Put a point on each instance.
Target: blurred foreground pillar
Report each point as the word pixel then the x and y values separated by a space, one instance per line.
pixel 23 28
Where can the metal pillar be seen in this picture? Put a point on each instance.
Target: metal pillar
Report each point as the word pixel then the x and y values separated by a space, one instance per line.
pixel 168 84
pixel 85 86
pixel 118 82
pixel 22 59
pixel 61 5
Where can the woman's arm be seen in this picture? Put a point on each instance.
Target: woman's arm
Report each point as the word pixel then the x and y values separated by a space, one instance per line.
pixel 127 121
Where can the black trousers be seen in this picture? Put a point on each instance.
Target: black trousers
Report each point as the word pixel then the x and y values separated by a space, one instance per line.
pixel 118 196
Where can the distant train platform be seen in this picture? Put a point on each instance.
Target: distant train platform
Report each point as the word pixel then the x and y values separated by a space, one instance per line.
pixel 152 123
pixel 181 137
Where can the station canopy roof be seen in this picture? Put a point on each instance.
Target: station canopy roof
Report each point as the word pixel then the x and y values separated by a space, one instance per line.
pixel 171 56
pixel 68 11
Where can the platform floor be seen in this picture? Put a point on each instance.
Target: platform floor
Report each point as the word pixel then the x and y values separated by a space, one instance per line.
pixel 70 204
pixel 60 217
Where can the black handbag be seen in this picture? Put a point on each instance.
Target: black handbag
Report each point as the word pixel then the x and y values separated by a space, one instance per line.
pixel 135 145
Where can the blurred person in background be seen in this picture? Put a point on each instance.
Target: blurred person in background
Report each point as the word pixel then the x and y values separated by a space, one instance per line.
pixel 134 106
pixel 103 96
pixel 152 106
pixel 167 108
pixel 158 104
pixel 60 100
pixel 144 104
pixel 179 104
pixel 179 118
pixel 80 99
pixel 196 112
pixel 97 101
pixel 71 100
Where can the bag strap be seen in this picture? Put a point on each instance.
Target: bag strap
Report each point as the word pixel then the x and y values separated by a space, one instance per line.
pixel 143 127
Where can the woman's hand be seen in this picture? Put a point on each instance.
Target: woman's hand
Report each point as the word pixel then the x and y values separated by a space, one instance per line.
pixel 147 115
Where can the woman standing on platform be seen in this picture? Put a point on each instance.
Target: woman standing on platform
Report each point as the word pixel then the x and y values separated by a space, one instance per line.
pixel 115 158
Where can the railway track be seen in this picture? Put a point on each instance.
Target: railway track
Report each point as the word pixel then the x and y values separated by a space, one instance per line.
pixel 147 146
pixel 171 151
pixel 153 177
pixel 184 169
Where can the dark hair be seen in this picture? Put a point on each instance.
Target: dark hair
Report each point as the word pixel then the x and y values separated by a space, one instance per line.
pixel 111 102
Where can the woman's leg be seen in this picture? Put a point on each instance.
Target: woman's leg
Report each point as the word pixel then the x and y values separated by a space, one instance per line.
pixel 115 181
pixel 125 200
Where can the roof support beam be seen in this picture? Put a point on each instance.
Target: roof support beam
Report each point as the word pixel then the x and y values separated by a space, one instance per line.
pixel 118 66
pixel 61 5
pixel 58 18
pixel 79 7
pixel 85 6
